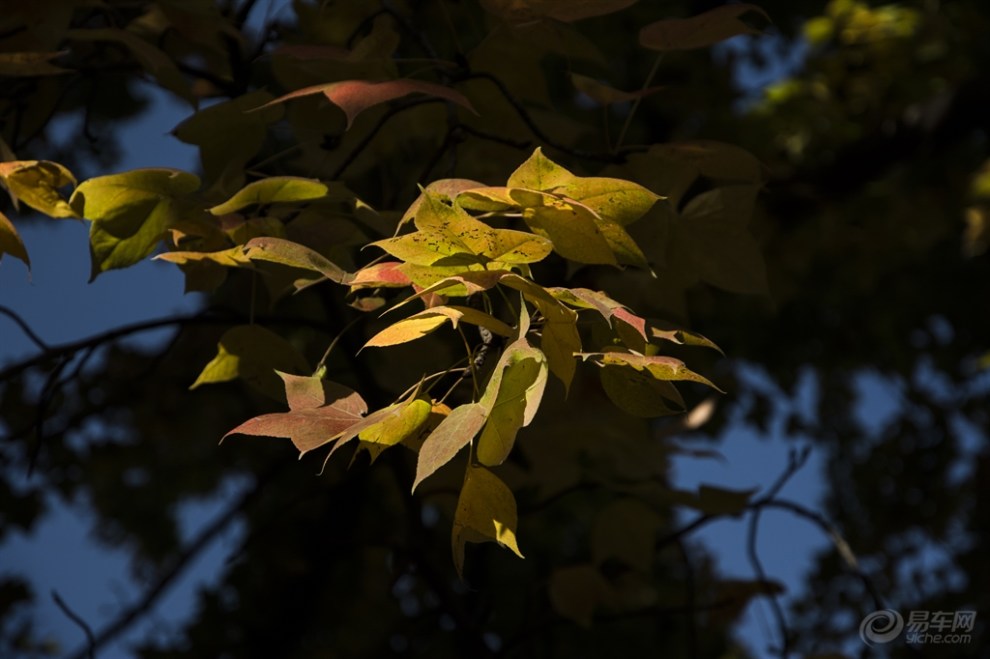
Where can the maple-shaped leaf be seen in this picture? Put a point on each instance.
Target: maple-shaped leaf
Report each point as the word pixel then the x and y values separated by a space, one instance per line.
pixel 539 173
pixel 356 96
pixel 512 396
pixel 310 422
pixel 446 187
pixel 424 322
pixel 572 227
pixel 699 31
pixel 486 512
pixel 387 427
pixel 454 433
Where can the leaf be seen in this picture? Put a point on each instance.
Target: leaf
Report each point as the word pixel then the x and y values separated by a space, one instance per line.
pixel 566 11
pixel 356 96
pixel 660 367
pixel 454 433
pixel 36 183
pixel 254 354
pixel 512 397
pixel 151 58
pixel 606 95
pixel 576 592
pixel 715 160
pixel 539 173
pixel 130 212
pixel 287 252
pixel 307 428
pixel 27 64
pixel 387 426
pixel 722 501
pixel 487 199
pixel 639 393
pixel 615 200
pixel 387 274
pixel 231 258
pixel 572 228
pixel 626 530
pixel 228 136
pixel 275 189
pixel 310 392
pixel 448 236
pixel 486 512
pixel 11 243
pixel 560 340
pixel 712 228
pixel 424 322
pixel 699 31
pixel 447 187
pixel 681 336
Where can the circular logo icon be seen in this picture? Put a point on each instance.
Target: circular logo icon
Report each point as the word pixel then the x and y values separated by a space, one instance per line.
pixel 881 627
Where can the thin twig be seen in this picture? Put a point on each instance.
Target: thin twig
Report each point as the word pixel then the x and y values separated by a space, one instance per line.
pixel 77 619
pixel 28 332
pixel 635 105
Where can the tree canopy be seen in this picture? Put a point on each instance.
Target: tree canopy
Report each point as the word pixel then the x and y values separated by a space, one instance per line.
pixel 489 268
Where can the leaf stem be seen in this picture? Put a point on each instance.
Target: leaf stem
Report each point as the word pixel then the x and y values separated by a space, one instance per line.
pixel 635 105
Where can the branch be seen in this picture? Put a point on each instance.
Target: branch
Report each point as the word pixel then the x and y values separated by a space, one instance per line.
pixel 206 536
pixel 76 618
pixel 35 339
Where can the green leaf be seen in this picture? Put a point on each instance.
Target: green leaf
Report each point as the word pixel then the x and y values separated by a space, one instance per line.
pixel 11 243
pixel 424 322
pixel 560 340
pixel 254 354
pixel 130 213
pixel 447 187
pixel 275 189
pixel 356 96
pixel 572 228
pixel 512 397
pixel 699 31
pixel 539 173
pixel 486 512
pixel 454 433
pixel 612 199
pixel 36 183
pixel 231 258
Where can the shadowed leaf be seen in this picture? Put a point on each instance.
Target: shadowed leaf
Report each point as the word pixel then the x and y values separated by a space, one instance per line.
pixel 285 189
pixel 699 31
pixel 11 243
pixel 486 512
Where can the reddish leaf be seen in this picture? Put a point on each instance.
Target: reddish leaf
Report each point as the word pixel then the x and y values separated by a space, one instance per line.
pixel 699 31
pixel 356 96
pixel 454 433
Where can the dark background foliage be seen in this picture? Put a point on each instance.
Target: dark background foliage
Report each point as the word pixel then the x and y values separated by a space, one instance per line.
pixel 856 248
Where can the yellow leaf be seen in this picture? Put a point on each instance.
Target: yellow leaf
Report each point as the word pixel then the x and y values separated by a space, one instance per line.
pixel 454 433
pixel 512 397
pixel 486 512
pixel 539 173
pixel 36 183
pixel 11 243
pixel 424 322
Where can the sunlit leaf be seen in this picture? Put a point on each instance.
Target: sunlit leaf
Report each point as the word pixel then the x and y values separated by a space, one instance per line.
pixel 572 228
pixel 232 258
pixel 254 354
pixel 387 274
pixel 275 189
pixel 447 187
pixel 699 31
pixel 612 199
pixel 287 252
pixel 660 367
pixel 130 212
pixel 486 512
pixel 356 96
pixel 512 398
pixel 424 322
pixel 11 243
pixel 454 433
pixel 36 183
pixel 539 173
